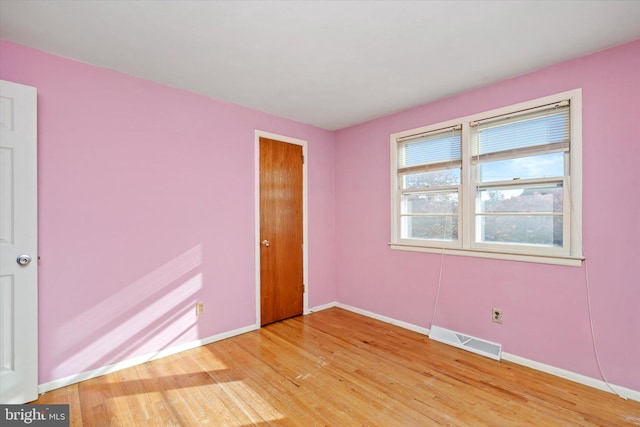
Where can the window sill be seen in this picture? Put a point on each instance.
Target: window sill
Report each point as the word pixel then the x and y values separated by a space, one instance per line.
pixel 539 259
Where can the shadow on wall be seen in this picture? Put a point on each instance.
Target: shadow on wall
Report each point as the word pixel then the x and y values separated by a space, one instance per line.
pixel 149 315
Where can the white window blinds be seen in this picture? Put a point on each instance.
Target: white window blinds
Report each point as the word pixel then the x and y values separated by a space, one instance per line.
pixel 430 151
pixel 544 129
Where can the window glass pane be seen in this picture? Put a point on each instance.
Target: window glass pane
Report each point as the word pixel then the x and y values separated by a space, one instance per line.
pixel 441 178
pixel 544 230
pixel 430 203
pixel 435 147
pixel 540 199
pixel 430 227
pixel 542 166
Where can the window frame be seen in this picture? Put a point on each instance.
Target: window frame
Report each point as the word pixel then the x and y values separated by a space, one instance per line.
pixel 442 189
pixel 466 245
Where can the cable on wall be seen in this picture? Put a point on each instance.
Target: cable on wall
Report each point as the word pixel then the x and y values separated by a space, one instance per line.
pixel 593 335
pixel 589 310
pixel 435 305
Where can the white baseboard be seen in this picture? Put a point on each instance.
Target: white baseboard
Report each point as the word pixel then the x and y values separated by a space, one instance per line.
pixel 405 325
pixel 625 393
pixel 322 307
pixel 72 379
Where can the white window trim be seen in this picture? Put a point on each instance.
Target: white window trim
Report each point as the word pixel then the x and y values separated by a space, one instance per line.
pixel 465 246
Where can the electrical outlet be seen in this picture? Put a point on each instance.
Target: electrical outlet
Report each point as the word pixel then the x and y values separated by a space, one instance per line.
pixel 199 308
pixel 496 315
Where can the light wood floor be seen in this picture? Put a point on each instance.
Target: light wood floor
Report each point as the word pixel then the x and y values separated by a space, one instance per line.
pixel 336 368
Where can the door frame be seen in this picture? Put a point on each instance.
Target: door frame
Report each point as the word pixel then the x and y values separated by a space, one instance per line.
pixel 305 224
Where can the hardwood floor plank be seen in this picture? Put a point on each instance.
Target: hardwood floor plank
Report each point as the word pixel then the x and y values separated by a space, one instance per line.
pixel 208 397
pixel 227 411
pixel 97 403
pixel 364 370
pixel 272 386
pixel 336 368
pixel 68 395
pixel 303 370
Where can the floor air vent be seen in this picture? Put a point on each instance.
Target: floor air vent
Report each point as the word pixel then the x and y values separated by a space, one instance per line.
pixel 466 342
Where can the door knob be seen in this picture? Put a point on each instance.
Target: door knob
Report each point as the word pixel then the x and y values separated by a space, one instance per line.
pixel 24 259
pixel 265 242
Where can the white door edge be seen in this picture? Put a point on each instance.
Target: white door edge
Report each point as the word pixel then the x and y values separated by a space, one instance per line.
pixel 18 236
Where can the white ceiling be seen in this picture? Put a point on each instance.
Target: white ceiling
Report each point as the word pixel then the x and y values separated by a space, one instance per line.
pixel 327 63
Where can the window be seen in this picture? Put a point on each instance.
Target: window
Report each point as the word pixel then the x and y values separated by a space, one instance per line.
pixel 429 176
pixel 501 184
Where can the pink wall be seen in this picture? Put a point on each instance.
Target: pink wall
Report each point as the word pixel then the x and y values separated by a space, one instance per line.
pixel 545 306
pixel 146 205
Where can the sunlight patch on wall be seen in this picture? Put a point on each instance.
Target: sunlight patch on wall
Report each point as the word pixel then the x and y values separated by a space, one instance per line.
pixel 154 311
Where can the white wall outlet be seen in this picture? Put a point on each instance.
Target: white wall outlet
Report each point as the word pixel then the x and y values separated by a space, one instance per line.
pixel 496 315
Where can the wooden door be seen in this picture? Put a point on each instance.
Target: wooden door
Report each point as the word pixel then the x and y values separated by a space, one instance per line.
pixel 281 231
pixel 18 244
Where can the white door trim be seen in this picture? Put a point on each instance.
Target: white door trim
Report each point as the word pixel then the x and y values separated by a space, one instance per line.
pixel 305 224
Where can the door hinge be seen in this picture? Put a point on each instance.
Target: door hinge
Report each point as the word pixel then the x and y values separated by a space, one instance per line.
pixel 302 159
pixel 304 288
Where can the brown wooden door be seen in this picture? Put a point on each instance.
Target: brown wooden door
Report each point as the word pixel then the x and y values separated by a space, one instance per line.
pixel 281 270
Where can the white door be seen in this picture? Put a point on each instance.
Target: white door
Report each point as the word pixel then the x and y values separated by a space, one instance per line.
pixel 18 241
